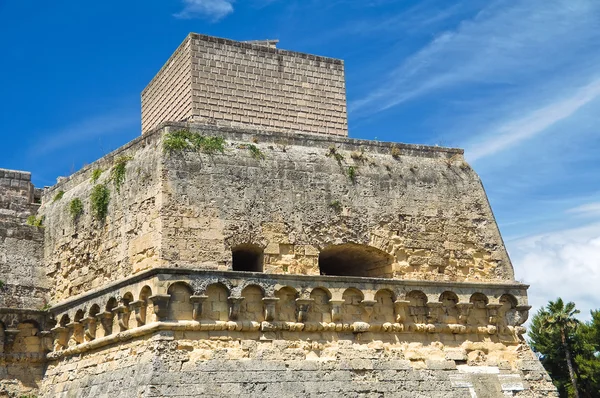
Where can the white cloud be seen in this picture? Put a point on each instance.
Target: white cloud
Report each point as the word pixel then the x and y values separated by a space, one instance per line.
pixel 560 264
pixel 588 209
pixel 212 9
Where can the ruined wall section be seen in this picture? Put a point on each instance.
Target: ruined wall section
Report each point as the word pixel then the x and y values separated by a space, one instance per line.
pixel 243 84
pixel 424 207
pixel 168 96
pixel 84 253
pixel 22 278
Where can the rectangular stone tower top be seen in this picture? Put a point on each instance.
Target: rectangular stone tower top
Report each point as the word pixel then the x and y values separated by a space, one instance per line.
pixel 249 84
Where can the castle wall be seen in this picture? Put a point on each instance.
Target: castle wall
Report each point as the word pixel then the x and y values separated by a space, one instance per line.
pixel 85 253
pixel 424 208
pixel 243 84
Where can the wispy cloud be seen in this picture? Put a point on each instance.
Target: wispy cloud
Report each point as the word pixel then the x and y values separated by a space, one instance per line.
pixel 515 131
pixel 211 9
pixel 587 209
pixel 504 44
pixel 85 130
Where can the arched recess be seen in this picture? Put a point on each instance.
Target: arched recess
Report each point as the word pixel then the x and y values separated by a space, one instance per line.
pixel 215 308
pixel 252 305
pixel 247 257
pixel 383 310
pixel 320 310
pixel 286 306
pixel 351 259
pixel 146 311
pixel 180 306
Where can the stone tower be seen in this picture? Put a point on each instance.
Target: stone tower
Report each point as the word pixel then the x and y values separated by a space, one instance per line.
pixel 244 245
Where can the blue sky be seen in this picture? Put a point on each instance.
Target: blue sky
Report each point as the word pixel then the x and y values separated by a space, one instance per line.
pixel 516 83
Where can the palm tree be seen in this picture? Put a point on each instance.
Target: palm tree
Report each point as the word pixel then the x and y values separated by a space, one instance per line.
pixel 558 317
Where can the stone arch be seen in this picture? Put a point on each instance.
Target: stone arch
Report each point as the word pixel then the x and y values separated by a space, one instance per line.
pixel 252 306
pixel 383 310
pixel 449 310
pixel 180 306
pixel 64 320
pixel 352 259
pixel 94 310
pixel 247 257
pixel 127 298
pixel 146 309
pixel 79 315
pixel 285 309
pixel 352 310
pixel 320 310
pixel 216 308
pixel 111 322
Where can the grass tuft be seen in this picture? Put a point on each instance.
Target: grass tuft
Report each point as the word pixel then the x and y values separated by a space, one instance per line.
pixel 58 196
pixel 117 173
pixel 96 173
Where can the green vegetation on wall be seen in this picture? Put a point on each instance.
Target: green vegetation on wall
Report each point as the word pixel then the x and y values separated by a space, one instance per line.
pixel 184 140
pixel 96 173
pixel 75 208
pixel 117 173
pixel 99 198
pixel 58 196
pixel 35 221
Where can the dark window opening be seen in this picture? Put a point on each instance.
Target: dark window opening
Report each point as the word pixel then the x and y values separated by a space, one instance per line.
pixel 351 259
pixel 247 258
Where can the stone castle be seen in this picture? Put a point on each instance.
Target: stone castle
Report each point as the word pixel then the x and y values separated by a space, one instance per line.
pixel 243 244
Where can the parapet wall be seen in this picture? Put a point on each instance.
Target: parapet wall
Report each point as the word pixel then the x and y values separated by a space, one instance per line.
pixel 214 80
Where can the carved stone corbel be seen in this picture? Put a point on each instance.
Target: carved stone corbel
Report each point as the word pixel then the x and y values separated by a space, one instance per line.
pixel 106 320
pixel 234 307
pixel 336 310
pixel 464 309
pixel 137 307
pixel 123 314
pixel 401 310
pixel 160 302
pixel 303 305
pixel 368 306
pixel 46 337
pixel 197 303
pixel 433 312
pixel 493 313
pixel 270 304
pixel 523 314
pixel 60 334
pixel 76 329
pixel 89 324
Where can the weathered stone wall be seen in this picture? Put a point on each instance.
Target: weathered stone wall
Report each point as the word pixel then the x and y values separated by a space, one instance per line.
pixel 245 84
pixel 211 364
pixel 85 253
pixel 424 209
